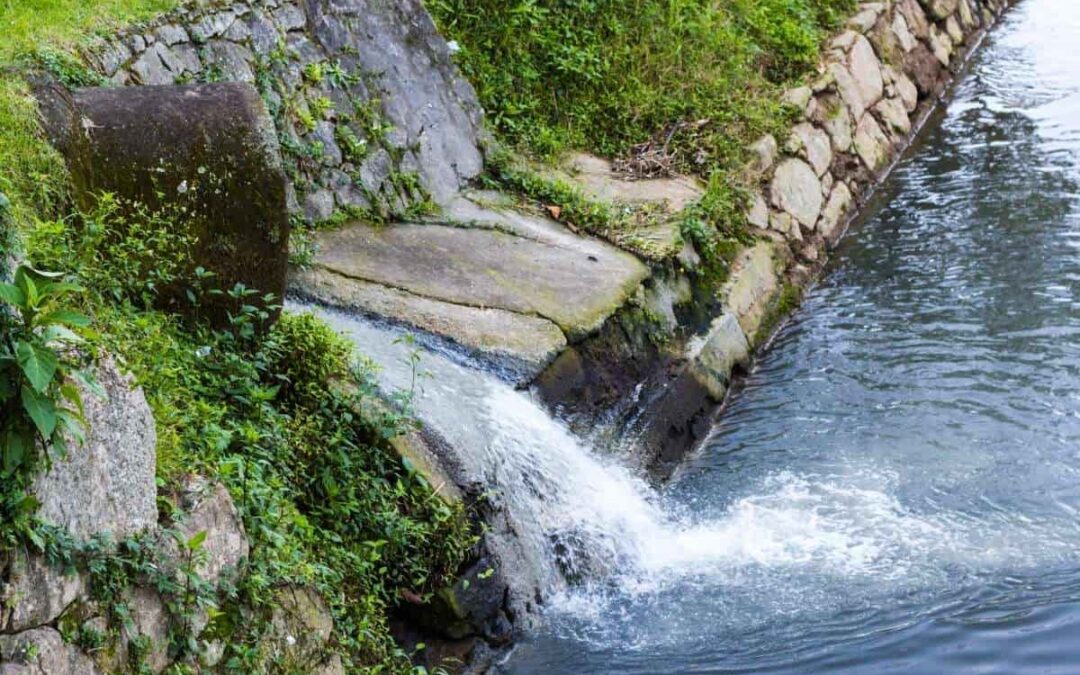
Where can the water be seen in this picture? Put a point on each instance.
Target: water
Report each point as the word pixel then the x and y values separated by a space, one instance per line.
pixel 576 515
pixel 897 485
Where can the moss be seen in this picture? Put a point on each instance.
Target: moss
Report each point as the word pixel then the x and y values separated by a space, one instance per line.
pixel 787 301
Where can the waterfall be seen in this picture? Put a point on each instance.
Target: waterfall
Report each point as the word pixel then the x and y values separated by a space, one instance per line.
pixel 581 517
pixel 576 514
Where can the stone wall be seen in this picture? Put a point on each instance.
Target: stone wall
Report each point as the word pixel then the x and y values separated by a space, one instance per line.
pixel 372 116
pixel 880 79
pixel 107 486
pixel 878 82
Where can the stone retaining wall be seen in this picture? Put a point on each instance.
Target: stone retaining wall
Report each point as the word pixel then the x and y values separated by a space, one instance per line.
pixel 879 80
pixel 372 116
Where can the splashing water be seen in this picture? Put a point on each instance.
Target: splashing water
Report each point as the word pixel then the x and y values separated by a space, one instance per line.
pixel 590 524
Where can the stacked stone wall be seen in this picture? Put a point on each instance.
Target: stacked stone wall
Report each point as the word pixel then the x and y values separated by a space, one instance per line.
pixel 880 79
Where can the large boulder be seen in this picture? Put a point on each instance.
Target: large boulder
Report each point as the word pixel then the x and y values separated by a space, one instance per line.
pixel 34 593
pixel 208 508
pixel 301 627
pixel 206 154
pixel 107 483
pixel 715 357
pixel 42 651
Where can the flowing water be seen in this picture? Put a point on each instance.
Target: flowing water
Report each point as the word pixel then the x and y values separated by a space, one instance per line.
pixel 896 487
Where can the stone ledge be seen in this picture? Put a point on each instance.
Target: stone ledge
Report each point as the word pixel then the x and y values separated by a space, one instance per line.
pixel 518 345
pixel 573 282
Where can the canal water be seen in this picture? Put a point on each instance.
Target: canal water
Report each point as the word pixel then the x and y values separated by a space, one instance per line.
pixel 896 487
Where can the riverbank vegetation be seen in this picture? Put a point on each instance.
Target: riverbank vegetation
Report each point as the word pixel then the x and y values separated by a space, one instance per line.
pixel 285 416
pixel 659 85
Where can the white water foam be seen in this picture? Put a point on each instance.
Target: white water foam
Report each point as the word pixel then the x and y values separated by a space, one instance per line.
pixel 586 519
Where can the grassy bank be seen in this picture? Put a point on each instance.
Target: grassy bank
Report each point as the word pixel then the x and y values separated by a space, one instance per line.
pixel 286 418
pixel 687 82
pixel 32 176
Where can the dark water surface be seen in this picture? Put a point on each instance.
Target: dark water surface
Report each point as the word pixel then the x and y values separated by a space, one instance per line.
pixel 897 487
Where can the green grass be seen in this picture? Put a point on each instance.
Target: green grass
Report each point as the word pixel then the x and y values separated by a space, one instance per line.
pixel 603 75
pixel 29 25
pixel 32 175
pixel 325 500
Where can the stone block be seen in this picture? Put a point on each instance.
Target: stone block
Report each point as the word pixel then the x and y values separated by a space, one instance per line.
pixel 796 189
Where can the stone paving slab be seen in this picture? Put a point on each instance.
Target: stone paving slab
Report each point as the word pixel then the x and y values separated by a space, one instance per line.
pixel 511 286
pixel 519 345
pixel 601 183
pixel 655 238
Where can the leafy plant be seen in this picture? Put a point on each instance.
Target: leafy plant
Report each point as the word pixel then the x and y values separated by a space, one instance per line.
pixel 41 404
pixel 315 72
pixel 119 248
pixel 321 107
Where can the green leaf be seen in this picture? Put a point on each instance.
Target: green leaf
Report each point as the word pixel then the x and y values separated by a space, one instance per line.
pixel 90 383
pixel 54 288
pixel 195 542
pixel 9 385
pixel 12 295
pixel 59 445
pixel 38 364
pixel 71 424
pixel 17 446
pixel 58 333
pixel 64 317
pixel 41 409
pixel 29 288
pixel 71 393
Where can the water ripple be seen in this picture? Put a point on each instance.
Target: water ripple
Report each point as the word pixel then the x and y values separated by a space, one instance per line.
pixel 896 486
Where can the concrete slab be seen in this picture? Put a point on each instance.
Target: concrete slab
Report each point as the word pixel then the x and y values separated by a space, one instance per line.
pixel 518 345
pixel 506 261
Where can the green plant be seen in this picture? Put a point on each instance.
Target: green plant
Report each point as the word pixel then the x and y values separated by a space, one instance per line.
pixel 340 78
pixel 68 70
pixel 119 248
pixel 315 72
pixel 355 148
pixel 8 238
pixel 41 407
pixel 321 107
pixel 306 119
